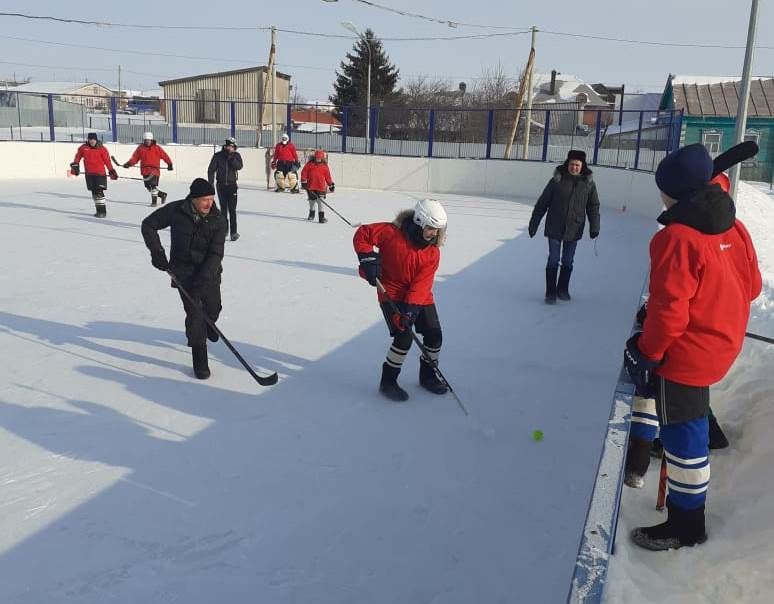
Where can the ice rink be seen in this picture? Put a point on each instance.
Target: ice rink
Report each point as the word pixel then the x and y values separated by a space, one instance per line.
pixel 125 479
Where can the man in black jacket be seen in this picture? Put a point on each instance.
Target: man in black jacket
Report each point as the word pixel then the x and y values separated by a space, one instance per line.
pixel 224 165
pixel 198 233
pixel 569 197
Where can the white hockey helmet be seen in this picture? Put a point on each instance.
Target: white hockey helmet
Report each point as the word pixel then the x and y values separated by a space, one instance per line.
pixel 147 136
pixel 284 138
pixel 430 213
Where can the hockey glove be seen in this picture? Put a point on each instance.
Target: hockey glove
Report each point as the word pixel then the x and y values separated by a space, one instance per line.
pixel 159 260
pixel 127 165
pixel 639 368
pixel 169 167
pixel 113 174
pixel 370 266
pixel 332 187
pixel 641 314
pixel 404 319
pixel 75 168
pixel 273 165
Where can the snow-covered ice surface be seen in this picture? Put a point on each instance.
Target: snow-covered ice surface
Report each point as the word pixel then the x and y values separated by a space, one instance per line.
pixel 737 563
pixel 124 479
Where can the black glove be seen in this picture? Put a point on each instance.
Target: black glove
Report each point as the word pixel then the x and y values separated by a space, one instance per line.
pixel 159 260
pixel 370 267
pixel 169 167
pixel 75 168
pixel 641 314
pixel 332 187
pixel 639 368
pixel 113 174
pixel 532 230
pixel 594 234
pixel 127 165
pixel 405 317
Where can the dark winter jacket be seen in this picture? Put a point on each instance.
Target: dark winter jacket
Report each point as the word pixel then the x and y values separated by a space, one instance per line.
pixel 225 166
pixel 703 276
pixel 196 242
pixel 568 200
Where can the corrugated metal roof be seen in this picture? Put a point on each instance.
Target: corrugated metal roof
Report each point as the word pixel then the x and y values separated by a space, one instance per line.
pixel 722 98
pixel 54 87
pixel 221 73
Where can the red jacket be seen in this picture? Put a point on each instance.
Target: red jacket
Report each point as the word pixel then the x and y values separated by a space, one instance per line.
pixel 316 176
pixel 149 158
pixel 95 159
pixel 703 276
pixel 285 153
pixel 407 271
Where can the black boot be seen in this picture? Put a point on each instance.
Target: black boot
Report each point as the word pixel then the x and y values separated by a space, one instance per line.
pixel 551 285
pixel 389 384
pixel 322 217
pixel 200 367
pixel 101 210
pixel 153 200
pixel 234 236
pixel 717 440
pixel 163 196
pixel 637 462
pixel 683 527
pixel 311 215
pixel 429 381
pixel 562 287
pixel 212 335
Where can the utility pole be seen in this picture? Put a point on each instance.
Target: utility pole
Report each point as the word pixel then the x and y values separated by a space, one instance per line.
pixel 744 94
pixel 274 86
pixel 529 97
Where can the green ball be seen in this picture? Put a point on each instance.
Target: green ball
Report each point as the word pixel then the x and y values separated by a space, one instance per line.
pixel 537 435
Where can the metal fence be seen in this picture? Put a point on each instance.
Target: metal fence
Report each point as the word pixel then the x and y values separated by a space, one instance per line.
pixel 628 139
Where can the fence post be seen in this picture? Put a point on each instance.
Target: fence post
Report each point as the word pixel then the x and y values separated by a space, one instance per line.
pixel 113 118
pixel 546 128
pixel 489 129
pixel 232 111
pixel 174 121
pixel 51 124
pixel 344 128
pixel 596 136
pixel 374 128
pixel 639 139
pixel 289 119
pixel 430 130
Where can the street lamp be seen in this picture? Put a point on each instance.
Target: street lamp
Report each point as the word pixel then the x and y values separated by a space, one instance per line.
pixel 348 25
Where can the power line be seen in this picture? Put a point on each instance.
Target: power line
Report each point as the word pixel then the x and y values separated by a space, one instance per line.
pixel 449 22
pixel 81 69
pixel 134 25
pixel 650 42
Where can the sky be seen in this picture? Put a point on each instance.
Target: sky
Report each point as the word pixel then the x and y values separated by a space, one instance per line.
pixel 312 60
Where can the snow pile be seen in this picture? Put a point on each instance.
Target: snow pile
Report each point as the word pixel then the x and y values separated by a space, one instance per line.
pixel 737 563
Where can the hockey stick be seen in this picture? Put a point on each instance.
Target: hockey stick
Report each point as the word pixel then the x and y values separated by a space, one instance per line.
pixel 734 155
pixel 327 205
pixel 118 163
pixel 71 175
pixel 755 336
pixel 433 363
pixel 662 484
pixel 268 380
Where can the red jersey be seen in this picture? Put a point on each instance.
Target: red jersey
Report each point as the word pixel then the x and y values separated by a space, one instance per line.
pixel 316 176
pixel 407 271
pixel 96 160
pixel 150 159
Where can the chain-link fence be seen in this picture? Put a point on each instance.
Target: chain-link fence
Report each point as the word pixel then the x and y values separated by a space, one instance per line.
pixel 626 139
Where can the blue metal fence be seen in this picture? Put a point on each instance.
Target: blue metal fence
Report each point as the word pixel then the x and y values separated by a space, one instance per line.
pixel 630 139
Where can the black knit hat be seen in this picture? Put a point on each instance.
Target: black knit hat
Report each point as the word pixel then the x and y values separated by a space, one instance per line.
pixel 576 154
pixel 201 188
pixel 91 135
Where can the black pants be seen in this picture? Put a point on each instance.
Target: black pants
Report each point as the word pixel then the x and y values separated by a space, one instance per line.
pixel 97 185
pixel 227 195
pixel 286 166
pixel 151 182
pixel 195 325
pixel 426 323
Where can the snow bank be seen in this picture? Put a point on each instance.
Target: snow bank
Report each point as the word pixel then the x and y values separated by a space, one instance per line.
pixel 737 563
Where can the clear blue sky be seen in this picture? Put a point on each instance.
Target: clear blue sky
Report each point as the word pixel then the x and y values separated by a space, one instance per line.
pixel 312 61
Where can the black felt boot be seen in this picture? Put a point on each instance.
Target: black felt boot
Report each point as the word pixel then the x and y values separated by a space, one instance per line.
pixel 389 384
pixel 429 380
pixel 311 215
pixel 200 367
pixel 637 462
pixel 563 286
pixel 551 285
pixel 717 440
pixel 683 527
pixel 321 217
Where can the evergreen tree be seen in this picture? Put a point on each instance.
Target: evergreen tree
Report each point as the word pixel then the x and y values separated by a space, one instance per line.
pixel 351 82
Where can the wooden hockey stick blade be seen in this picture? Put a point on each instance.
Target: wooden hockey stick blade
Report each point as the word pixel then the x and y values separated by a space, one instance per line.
pixel 735 155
